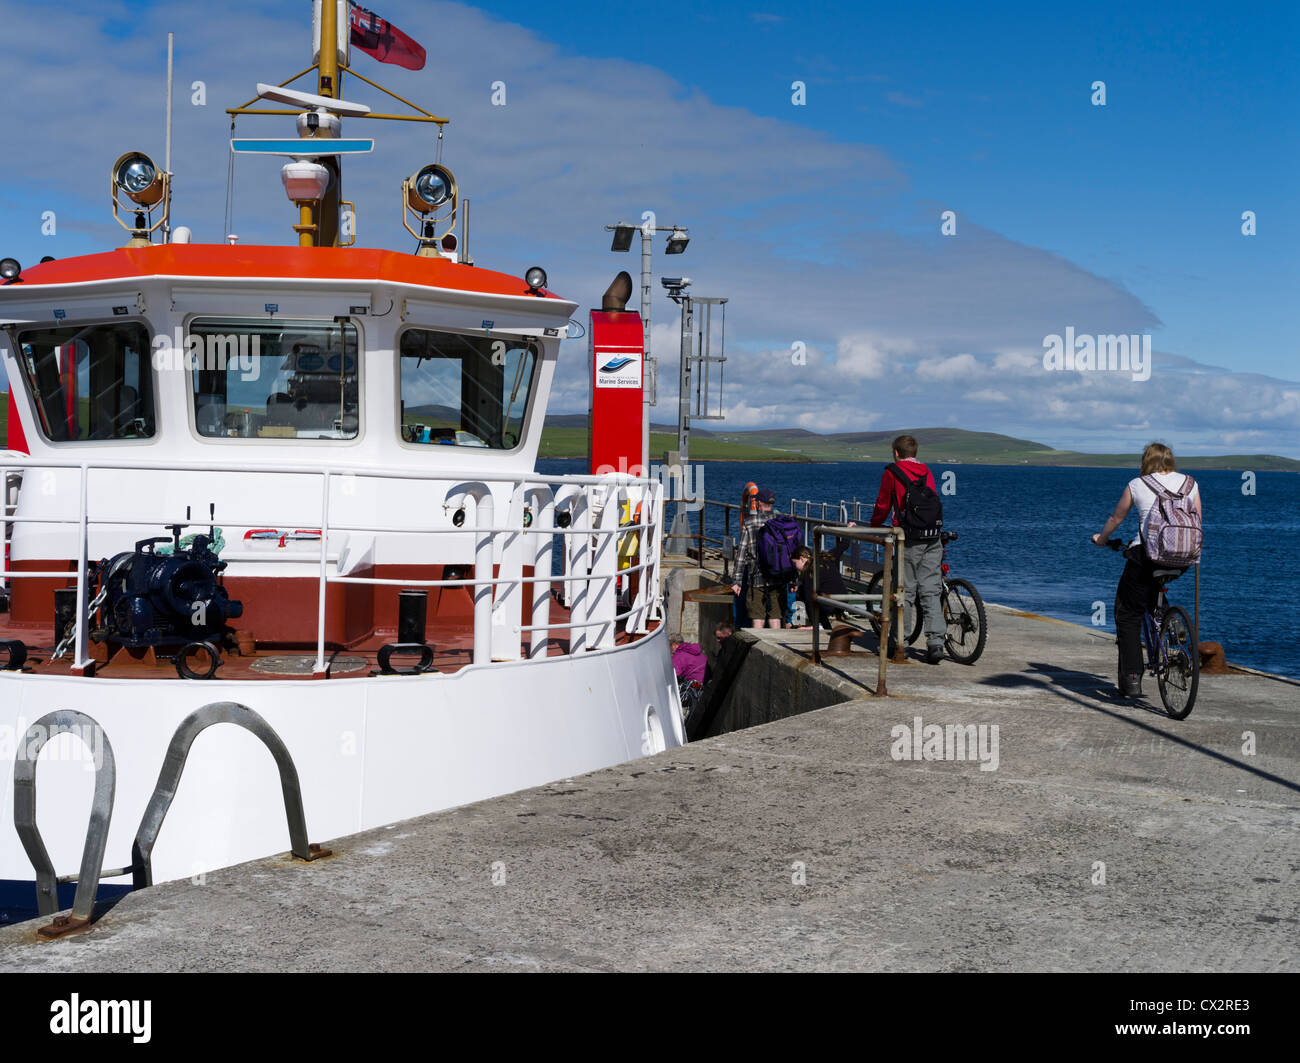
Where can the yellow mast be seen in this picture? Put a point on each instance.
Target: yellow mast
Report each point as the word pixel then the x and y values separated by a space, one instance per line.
pixel 318 221
pixel 330 83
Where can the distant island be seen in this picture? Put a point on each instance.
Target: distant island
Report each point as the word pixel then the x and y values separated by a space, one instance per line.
pixel 565 436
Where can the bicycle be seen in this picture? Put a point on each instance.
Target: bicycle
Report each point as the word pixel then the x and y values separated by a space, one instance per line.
pixel 1172 655
pixel 963 610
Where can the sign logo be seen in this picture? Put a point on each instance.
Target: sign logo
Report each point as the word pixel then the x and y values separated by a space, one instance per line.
pixel 618 370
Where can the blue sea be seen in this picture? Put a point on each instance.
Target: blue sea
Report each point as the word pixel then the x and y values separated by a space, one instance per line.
pixel 1024 540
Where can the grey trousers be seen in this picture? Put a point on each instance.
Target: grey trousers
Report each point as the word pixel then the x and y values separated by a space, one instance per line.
pixel 922 574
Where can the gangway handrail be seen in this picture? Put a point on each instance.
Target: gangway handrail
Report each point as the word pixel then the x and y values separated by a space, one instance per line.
pixel 892 590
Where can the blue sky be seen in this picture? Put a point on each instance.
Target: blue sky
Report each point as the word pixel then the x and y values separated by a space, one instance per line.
pixel 820 222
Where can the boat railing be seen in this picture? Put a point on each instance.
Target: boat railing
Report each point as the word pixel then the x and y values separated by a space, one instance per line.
pixel 582 512
pixel 10 482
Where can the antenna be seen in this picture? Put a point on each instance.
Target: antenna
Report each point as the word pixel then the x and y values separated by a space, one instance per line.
pixel 311 101
pixel 167 153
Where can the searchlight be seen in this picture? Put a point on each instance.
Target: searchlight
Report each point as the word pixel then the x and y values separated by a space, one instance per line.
pixel 135 176
pixel 429 193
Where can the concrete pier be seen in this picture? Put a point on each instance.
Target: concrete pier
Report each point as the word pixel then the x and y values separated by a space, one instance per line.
pixel 1084 833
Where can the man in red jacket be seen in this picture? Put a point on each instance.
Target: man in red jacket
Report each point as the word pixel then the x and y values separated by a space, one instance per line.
pixel 922 558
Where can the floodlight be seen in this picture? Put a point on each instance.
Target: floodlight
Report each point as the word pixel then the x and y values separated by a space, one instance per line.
pixel 622 237
pixel 136 175
pixel 430 189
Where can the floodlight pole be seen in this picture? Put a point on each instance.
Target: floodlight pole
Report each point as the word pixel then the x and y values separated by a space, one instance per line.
pixel 649 377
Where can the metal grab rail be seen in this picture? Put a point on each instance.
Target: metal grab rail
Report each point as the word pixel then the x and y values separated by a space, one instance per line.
pixel 590 561
pixel 847 510
pixel 178 751
pixel 892 590
pixel 101 813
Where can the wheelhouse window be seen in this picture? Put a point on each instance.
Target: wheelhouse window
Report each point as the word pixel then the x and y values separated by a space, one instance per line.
pixel 467 391
pixel 89 382
pixel 274 379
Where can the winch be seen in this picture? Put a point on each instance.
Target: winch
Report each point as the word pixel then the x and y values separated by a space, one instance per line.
pixel 165 599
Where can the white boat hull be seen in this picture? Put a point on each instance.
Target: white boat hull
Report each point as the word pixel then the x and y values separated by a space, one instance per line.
pixel 369 751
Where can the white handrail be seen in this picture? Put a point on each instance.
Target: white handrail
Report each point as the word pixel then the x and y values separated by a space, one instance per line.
pixel 590 572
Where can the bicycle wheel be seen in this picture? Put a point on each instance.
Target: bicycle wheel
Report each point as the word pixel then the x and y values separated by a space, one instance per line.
pixel 874 588
pixel 968 631
pixel 1178 672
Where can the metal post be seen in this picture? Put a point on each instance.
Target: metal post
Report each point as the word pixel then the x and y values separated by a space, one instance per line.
pixel 82 651
pixel 681 529
pixel 167 150
pixel 464 233
pixel 684 395
pixel 647 361
pixel 319 668
pixel 816 618
pixel 900 585
pixel 887 589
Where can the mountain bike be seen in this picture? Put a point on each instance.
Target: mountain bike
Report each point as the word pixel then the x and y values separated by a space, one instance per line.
pixel 963 609
pixel 1172 654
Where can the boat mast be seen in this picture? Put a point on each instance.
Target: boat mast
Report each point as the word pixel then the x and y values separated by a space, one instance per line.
pixel 318 218
pixel 329 83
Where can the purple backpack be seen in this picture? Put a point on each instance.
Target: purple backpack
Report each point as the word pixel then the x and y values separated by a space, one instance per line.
pixel 777 540
pixel 1172 536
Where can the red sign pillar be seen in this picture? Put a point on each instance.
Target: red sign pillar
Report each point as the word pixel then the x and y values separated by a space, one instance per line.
pixel 617 361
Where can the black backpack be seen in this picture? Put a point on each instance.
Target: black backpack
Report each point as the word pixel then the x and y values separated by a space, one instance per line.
pixel 922 515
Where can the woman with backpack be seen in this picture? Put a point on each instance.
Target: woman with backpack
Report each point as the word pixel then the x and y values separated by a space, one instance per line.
pixel 763 567
pixel 1169 536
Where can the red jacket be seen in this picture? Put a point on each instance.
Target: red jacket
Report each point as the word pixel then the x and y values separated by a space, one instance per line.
pixel 891 491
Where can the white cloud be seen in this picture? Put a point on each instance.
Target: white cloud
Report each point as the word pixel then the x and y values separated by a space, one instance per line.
pixel 958 367
pixel 918 324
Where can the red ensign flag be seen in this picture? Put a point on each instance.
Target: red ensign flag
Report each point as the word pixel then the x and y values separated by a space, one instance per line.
pixel 380 38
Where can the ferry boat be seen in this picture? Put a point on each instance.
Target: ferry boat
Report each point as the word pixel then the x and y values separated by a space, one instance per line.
pixel 274 535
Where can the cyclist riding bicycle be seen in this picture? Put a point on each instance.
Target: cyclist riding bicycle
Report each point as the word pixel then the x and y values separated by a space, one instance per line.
pixel 1136 594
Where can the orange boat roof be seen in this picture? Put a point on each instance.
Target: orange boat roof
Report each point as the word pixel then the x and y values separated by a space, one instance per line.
pixel 291 263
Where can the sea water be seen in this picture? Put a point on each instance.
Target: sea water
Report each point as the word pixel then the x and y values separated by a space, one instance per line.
pixel 1024 540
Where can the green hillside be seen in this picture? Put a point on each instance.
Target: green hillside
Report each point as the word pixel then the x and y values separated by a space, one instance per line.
pixel 958 446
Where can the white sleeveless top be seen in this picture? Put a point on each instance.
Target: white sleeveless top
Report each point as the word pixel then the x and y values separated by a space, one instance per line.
pixel 1145 499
